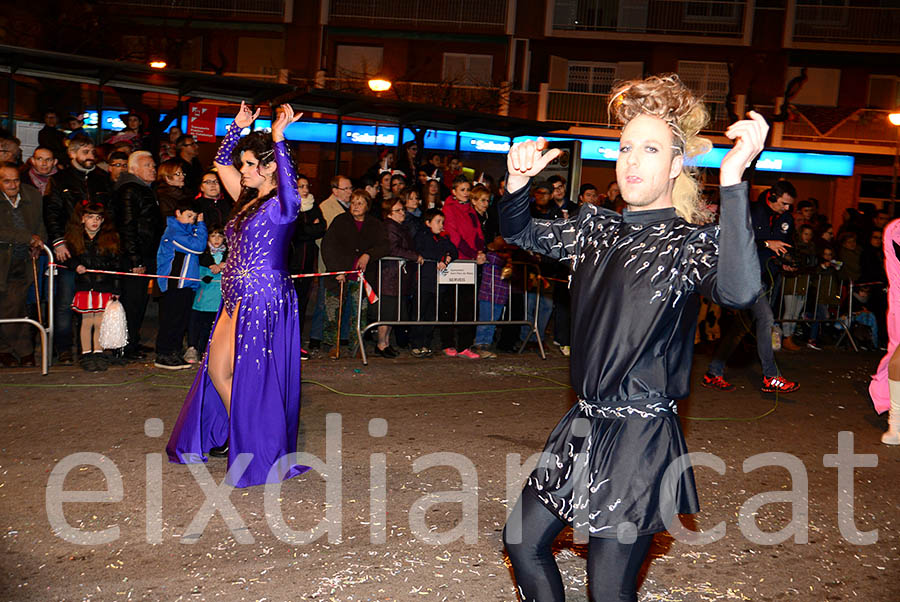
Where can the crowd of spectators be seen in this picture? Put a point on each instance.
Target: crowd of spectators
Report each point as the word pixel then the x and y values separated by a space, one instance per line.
pixel 119 208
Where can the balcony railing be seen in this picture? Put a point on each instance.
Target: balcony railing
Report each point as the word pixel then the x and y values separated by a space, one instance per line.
pixel 449 15
pixel 273 8
pixel 859 25
pixel 841 126
pixel 715 18
pixel 443 94
pixel 590 109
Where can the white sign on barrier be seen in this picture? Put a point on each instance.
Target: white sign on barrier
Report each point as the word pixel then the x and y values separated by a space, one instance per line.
pixel 458 273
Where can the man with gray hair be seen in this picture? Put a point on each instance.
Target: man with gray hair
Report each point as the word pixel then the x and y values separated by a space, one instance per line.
pixel 140 227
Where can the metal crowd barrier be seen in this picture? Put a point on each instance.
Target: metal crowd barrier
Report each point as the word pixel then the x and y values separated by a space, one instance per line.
pixel 796 310
pixel 45 332
pixel 507 319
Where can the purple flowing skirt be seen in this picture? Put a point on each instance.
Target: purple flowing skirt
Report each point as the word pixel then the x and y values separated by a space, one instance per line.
pixel 265 396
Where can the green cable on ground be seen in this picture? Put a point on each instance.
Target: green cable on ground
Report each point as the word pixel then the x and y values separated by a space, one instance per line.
pixel 75 385
pixel 556 385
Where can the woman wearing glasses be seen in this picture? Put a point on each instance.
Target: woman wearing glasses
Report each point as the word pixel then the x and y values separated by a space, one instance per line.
pixel 216 206
pixel 245 400
pixel 169 186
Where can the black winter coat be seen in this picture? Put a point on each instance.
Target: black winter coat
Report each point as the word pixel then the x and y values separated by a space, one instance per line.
pixel 92 259
pixel 400 245
pixel 435 248
pixel 215 211
pixel 304 254
pixel 138 221
pixel 343 245
pixel 68 188
pixel 169 197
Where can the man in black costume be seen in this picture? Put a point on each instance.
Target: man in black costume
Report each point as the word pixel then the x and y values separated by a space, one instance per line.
pixel 636 279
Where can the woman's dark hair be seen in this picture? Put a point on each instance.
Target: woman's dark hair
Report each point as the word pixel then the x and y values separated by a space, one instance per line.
pixel 107 238
pixel 387 206
pixel 263 148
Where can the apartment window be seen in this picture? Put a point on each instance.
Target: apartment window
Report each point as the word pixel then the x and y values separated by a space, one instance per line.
pixel 718 11
pixel 260 55
pixel 884 92
pixel 589 77
pixel 709 80
pixel 468 69
pixel 821 13
pixel 358 61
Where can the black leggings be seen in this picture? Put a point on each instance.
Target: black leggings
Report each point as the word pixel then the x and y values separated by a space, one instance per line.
pixel 612 566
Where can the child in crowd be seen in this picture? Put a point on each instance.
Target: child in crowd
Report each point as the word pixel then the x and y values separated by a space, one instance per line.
pixel 179 253
pixel 828 289
pixel 464 229
pixel 94 245
pixel 209 294
pixel 436 249
pixel 493 290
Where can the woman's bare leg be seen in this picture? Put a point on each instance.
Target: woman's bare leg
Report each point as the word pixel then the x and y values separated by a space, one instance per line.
pixel 96 320
pixel 384 336
pixel 220 364
pixel 894 365
pixel 85 333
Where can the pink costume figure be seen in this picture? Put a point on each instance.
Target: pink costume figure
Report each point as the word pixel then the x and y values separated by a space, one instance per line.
pixel 885 392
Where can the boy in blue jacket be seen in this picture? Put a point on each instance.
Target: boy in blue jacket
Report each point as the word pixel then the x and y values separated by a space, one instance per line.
pixel 179 255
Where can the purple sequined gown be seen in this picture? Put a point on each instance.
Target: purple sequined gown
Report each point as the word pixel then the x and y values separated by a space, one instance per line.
pixel 265 391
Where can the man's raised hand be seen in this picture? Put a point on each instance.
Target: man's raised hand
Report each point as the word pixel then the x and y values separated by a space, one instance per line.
pixel 527 159
pixel 749 137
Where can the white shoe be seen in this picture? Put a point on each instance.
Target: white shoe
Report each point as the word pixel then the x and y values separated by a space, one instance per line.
pixel 892 436
pixel 191 356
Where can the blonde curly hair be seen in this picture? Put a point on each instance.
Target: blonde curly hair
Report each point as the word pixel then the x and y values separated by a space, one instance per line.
pixel 666 97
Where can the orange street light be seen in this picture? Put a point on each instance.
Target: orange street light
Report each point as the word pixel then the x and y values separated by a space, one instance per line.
pixel 379 84
pixel 158 64
pixel 894 118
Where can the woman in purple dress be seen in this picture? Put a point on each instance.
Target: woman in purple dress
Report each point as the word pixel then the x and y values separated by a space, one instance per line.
pixel 245 400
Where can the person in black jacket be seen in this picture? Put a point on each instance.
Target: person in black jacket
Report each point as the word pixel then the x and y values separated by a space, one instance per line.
pixel 436 248
pixel 140 227
pixel 354 241
pixel 94 245
pixel 213 203
pixel 67 188
pixel 304 254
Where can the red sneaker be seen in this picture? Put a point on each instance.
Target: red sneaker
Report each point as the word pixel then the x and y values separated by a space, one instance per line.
pixel 716 382
pixel 778 384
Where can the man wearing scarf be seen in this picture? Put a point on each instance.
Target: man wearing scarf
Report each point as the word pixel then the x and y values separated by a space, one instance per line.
pixel 42 165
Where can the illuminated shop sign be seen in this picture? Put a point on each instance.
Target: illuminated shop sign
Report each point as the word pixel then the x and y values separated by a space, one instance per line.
pixel 778 161
pixel 445 140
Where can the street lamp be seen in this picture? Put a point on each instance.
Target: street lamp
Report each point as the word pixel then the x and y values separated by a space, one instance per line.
pixel 894 118
pixel 157 64
pixel 379 84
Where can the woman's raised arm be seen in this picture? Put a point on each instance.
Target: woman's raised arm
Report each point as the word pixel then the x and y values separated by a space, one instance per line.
pixel 228 173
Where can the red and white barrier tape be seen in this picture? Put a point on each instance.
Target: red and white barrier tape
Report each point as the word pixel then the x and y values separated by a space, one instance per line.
pixel 370 292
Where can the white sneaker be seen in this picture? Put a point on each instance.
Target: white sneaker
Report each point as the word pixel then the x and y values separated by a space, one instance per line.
pixel 565 350
pixel 191 356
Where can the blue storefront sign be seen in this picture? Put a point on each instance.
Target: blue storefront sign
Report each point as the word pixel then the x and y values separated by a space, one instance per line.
pixel 445 140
